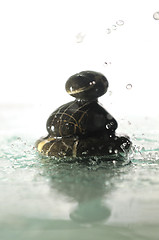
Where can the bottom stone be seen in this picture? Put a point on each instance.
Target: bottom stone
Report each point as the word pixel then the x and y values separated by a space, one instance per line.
pixel 76 147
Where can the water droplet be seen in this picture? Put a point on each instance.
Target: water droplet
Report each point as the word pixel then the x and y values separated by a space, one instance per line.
pixel 80 37
pixel 114 162
pixel 110 150
pixel 107 63
pixel 108 31
pixel 129 86
pixel 123 146
pixel 116 151
pixel 156 15
pixel 108 126
pixel 92 83
pixel 110 93
pixel 114 27
pixel 120 22
pixel 129 122
pixel 84 153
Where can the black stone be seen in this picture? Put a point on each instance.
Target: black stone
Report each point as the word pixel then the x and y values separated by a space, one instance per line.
pixel 81 118
pixel 108 147
pixel 83 128
pixel 87 85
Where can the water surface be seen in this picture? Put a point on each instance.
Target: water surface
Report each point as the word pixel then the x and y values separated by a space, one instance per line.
pixel 41 198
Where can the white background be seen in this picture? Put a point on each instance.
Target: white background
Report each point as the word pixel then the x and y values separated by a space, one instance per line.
pixel 39 50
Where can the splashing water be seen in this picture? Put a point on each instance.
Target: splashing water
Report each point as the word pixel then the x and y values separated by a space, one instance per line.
pixel 115 26
pixel 47 193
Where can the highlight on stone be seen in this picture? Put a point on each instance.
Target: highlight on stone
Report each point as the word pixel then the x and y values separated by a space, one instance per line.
pixel 83 128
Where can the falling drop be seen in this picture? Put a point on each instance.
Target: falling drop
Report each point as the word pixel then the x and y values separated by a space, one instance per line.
pixel 129 86
pixel 114 27
pixel 108 31
pixel 110 93
pixel 156 16
pixel 80 37
pixel 120 22
pixel 107 63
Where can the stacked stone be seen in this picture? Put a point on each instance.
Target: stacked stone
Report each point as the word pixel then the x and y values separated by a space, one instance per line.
pixel 83 128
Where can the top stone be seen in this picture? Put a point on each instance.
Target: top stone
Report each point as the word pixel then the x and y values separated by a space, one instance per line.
pixel 87 85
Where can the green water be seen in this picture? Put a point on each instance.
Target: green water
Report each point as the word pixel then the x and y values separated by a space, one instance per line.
pixel 42 198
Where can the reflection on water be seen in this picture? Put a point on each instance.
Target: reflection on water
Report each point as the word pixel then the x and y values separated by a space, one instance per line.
pixel 85 183
pixel 105 197
pixel 43 198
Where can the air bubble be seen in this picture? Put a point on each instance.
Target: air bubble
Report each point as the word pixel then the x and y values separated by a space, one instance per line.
pixel 120 22
pixel 129 86
pixel 156 16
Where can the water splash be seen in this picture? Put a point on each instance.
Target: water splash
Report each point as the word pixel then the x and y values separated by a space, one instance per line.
pixel 115 26
pixel 22 153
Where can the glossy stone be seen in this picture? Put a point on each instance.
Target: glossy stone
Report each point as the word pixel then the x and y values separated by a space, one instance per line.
pixel 87 85
pixel 83 128
pixel 81 118
pixel 101 146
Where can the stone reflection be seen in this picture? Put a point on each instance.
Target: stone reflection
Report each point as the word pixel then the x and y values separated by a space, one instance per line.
pixel 86 183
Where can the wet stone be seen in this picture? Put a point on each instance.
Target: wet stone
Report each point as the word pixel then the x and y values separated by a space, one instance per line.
pixel 87 85
pixel 81 118
pixel 83 128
